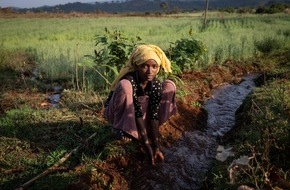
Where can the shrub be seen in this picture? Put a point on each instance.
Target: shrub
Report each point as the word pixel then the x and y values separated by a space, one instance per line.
pixel 274 8
pixel 186 53
pixel 267 45
pixel 115 48
pixel 111 53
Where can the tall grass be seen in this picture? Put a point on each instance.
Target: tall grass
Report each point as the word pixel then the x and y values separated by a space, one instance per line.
pixel 60 42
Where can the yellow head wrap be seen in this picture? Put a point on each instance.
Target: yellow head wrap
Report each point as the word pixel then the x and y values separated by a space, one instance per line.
pixel 139 56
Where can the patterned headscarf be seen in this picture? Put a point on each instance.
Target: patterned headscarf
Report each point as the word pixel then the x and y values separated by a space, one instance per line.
pixel 139 56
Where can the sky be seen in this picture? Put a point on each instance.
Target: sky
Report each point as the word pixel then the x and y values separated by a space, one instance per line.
pixel 39 3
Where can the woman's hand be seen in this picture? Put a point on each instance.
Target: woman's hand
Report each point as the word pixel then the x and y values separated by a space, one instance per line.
pixel 158 157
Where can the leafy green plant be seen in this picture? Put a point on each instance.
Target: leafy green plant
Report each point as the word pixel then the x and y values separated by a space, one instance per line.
pixel 111 53
pixel 186 53
pixel 115 48
pixel 54 156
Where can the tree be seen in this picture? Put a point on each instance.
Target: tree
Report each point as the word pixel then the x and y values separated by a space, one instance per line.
pixel 164 7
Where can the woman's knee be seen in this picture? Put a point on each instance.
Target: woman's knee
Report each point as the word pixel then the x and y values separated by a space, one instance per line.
pixel 168 86
pixel 124 86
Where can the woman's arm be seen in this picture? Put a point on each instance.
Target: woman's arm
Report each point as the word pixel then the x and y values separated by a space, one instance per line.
pixel 155 134
pixel 158 155
pixel 142 129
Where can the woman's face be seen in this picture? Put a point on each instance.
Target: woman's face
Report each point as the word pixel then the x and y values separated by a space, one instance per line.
pixel 148 70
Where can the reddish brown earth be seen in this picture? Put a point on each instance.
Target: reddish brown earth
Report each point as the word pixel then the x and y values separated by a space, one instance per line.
pixel 124 171
pixel 121 171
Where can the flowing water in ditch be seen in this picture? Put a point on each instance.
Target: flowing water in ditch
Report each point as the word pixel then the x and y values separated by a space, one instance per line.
pixel 187 161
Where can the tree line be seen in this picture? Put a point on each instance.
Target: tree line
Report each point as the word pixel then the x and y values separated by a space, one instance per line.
pixel 161 6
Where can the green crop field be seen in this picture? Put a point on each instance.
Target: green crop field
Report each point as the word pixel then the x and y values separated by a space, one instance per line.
pixel 58 42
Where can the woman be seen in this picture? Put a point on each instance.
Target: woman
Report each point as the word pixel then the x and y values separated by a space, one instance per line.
pixel 139 103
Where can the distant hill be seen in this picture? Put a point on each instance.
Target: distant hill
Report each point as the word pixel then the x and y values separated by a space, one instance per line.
pixel 151 6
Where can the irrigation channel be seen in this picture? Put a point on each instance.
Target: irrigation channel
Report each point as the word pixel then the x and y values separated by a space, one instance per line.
pixel 188 161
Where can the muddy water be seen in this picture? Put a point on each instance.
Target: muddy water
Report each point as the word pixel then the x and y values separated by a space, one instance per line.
pixel 55 97
pixel 187 162
pixel 222 106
